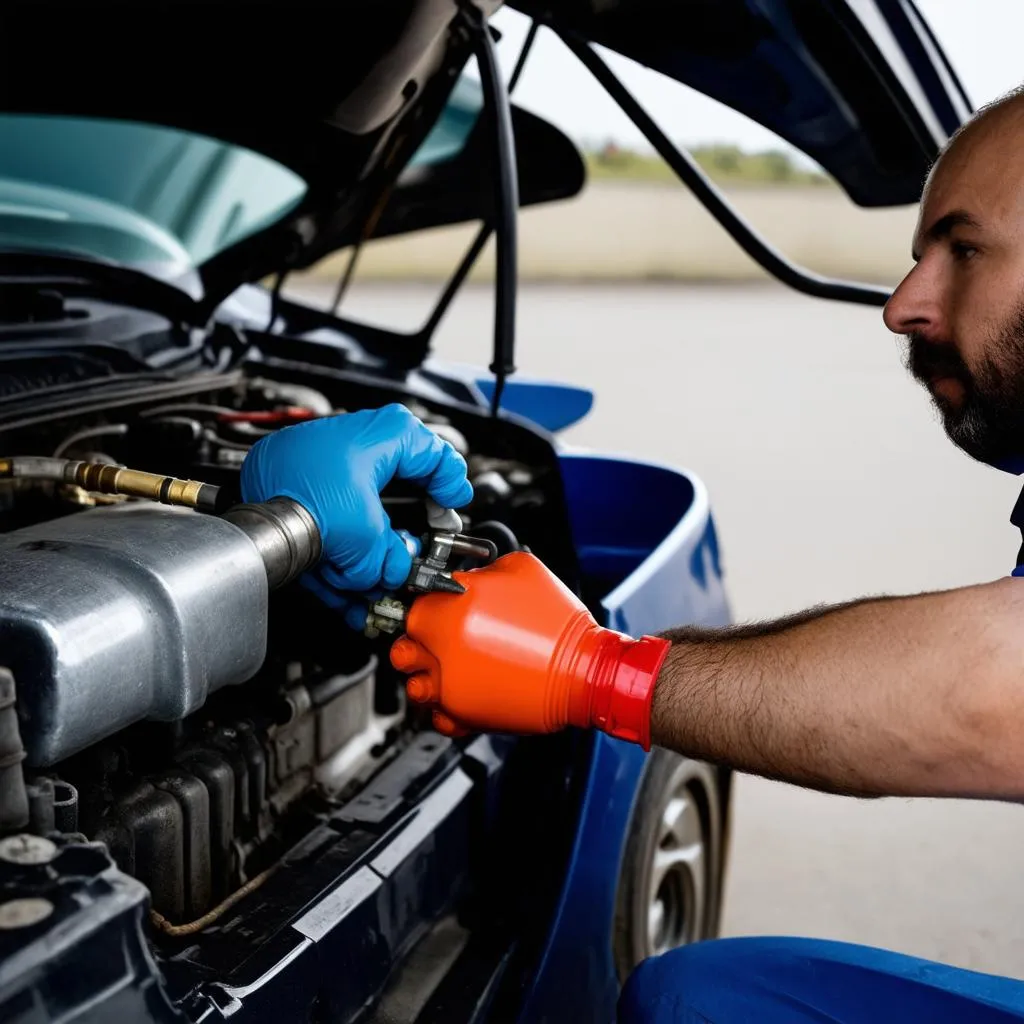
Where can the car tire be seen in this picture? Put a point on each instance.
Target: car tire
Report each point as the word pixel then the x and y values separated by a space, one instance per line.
pixel 670 881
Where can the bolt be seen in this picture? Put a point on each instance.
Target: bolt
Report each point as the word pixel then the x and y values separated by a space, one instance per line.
pixel 27 849
pixel 24 913
pixel 386 615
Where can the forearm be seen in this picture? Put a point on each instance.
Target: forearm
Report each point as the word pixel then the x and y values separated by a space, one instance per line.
pixel 903 696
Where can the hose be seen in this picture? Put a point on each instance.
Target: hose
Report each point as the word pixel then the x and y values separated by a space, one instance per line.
pixel 196 408
pixel 105 430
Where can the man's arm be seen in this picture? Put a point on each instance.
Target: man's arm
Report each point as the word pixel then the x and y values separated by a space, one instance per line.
pixel 914 696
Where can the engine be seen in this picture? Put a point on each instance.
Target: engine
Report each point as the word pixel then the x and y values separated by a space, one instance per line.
pixel 169 686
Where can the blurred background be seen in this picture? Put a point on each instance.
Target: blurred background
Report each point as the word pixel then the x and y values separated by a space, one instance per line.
pixel 829 474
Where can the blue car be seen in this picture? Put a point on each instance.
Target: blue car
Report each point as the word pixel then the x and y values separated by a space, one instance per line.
pixel 215 803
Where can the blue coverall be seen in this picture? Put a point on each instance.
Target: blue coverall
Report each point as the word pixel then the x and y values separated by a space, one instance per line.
pixel 337 468
pixel 769 980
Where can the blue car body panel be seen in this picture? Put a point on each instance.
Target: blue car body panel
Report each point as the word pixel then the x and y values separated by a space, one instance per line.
pixel 662 570
pixel 550 405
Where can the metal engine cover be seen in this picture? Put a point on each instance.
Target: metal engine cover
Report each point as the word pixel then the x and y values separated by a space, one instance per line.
pixel 123 613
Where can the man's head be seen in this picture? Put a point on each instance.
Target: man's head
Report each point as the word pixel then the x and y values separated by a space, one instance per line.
pixel 962 305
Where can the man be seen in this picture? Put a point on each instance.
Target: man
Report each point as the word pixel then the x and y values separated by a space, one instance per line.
pixel 913 696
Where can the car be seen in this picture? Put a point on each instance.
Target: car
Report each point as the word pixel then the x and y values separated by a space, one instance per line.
pixel 215 803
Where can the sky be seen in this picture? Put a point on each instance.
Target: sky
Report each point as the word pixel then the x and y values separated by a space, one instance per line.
pixel 982 38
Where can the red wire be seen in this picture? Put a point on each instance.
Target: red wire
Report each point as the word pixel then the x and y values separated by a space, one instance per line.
pixel 290 414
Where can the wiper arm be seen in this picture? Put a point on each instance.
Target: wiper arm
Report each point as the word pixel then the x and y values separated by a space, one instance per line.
pixel 98 279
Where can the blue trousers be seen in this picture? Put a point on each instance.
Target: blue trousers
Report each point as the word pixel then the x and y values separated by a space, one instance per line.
pixel 763 981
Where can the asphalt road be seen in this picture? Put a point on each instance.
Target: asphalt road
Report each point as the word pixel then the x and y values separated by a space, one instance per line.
pixel 830 479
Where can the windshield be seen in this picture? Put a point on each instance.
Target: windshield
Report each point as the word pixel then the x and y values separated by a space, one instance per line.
pixel 153 198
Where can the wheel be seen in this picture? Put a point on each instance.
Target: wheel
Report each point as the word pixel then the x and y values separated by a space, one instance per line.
pixel 670 882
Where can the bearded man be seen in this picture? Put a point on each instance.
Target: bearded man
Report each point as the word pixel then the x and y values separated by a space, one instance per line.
pixel 906 696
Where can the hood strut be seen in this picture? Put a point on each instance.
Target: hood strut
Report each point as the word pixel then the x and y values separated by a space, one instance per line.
pixel 690 173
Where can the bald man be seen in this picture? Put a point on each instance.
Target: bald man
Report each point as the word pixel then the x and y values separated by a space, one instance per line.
pixel 912 696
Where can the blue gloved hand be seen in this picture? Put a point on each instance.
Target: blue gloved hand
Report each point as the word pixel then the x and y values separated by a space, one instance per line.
pixel 336 467
pixel 354 609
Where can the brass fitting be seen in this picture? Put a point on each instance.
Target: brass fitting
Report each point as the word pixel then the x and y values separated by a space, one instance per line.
pixel 102 478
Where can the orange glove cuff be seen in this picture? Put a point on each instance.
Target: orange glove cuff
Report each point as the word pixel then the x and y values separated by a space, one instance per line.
pixel 620 684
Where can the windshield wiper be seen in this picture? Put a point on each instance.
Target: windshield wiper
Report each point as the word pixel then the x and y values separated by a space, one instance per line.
pixel 98 279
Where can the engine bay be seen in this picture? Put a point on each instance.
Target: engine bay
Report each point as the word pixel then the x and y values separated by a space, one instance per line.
pixel 199 791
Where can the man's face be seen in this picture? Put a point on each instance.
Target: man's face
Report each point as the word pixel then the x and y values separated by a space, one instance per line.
pixel 961 308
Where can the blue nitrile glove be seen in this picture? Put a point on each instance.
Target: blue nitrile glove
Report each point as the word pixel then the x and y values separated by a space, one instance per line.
pixel 354 607
pixel 336 467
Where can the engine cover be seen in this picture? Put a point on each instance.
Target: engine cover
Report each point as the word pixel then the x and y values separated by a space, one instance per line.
pixel 123 613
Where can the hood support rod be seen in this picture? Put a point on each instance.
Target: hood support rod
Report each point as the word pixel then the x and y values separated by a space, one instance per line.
pixel 693 176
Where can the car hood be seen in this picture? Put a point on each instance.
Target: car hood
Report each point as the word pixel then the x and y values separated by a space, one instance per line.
pixel 344 98
pixel 337 96
pixel 861 86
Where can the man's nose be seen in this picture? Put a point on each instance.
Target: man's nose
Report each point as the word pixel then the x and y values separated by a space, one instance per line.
pixel 915 305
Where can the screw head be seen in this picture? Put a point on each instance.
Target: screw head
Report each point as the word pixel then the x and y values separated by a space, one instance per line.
pixel 24 913
pixel 27 849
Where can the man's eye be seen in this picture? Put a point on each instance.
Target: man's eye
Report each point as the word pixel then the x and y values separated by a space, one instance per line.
pixel 964 251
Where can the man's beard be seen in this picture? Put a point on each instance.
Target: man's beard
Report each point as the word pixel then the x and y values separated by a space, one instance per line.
pixel 988 422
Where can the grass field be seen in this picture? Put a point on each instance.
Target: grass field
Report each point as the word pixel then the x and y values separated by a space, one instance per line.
pixel 725 165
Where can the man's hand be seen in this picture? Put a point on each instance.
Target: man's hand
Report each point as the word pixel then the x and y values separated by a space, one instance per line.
pixel 518 652
pixel 336 467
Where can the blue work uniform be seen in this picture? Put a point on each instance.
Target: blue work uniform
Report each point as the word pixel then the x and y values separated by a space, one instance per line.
pixel 814 981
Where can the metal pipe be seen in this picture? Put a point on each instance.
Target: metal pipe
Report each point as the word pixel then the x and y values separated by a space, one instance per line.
pixel 517 71
pixel 107 479
pixel 103 430
pixel 369 226
pixel 426 332
pixel 691 174
pixel 475 547
pixel 285 534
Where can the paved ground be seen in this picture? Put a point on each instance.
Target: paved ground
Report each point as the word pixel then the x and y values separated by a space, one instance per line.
pixel 831 480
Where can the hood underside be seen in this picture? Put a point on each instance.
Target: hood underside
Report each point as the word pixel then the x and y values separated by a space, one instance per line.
pixel 860 86
pixel 343 95
pixel 339 94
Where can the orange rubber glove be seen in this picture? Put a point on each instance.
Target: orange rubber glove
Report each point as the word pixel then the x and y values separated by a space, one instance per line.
pixel 520 653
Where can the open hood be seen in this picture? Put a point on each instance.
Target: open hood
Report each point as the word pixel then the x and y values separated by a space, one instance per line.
pixel 242 139
pixel 255 137
pixel 861 86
